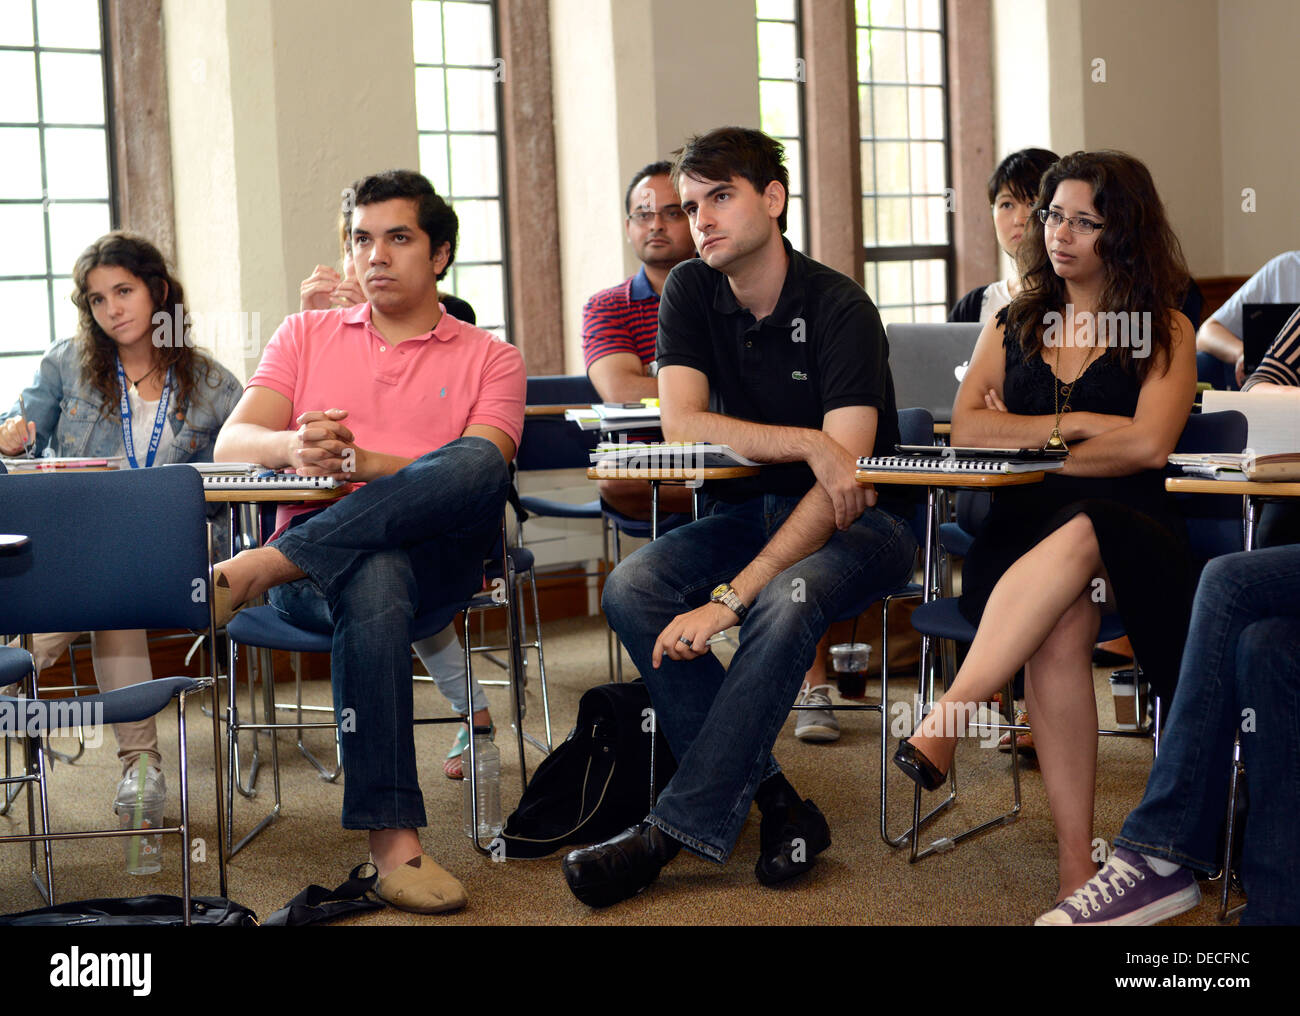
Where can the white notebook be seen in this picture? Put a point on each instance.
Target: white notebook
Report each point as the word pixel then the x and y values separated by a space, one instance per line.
pixel 953 464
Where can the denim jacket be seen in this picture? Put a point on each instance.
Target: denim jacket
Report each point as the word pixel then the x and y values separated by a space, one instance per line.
pixel 65 407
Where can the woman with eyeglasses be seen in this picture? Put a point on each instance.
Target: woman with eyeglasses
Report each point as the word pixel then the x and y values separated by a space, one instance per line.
pixel 130 384
pixel 1091 357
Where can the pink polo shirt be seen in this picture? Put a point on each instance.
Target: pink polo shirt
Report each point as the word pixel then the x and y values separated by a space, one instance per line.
pixel 405 399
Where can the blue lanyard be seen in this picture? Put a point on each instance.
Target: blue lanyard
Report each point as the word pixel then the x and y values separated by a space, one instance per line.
pixel 159 421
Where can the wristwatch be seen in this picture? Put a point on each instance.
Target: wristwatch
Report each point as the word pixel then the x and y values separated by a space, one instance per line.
pixel 725 595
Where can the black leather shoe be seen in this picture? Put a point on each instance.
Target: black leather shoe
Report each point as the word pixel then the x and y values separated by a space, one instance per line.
pixel 619 868
pixel 919 769
pixel 791 837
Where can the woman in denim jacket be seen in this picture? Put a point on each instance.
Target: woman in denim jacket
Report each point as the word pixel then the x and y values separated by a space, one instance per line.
pixel 133 353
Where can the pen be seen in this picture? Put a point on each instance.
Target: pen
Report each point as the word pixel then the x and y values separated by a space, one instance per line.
pixel 29 449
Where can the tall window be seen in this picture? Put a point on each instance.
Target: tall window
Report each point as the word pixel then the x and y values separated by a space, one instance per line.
pixel 55 177
pixel 903 114
pixel 780 98
pixel 458 115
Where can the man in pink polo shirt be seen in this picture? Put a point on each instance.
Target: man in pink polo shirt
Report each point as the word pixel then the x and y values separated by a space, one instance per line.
pixel 427 412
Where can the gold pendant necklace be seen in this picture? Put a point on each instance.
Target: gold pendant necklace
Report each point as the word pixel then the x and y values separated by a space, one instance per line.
pixel 1056 443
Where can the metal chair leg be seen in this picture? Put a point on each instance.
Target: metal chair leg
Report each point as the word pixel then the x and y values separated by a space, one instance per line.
pixel 185 808
pixel 541 659
pixel 36 757
pixel 325 774
pixel 1226 914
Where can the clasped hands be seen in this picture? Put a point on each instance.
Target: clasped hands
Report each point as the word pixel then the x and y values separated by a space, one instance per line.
pixel 324 446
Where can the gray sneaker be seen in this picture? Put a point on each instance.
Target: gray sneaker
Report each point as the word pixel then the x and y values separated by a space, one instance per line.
pixel 1126 891
pixel 816 724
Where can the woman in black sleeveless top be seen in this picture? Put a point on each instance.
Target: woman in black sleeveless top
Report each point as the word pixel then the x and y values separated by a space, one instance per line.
pixel 1090 355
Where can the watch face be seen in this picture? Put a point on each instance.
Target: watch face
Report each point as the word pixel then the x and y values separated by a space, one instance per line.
pixel 719 592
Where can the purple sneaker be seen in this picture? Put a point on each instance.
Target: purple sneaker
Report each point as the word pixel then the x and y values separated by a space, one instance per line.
pixel 1126 891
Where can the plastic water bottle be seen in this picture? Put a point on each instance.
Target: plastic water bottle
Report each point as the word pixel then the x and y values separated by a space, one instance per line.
pixel 487 772
pixel 142 808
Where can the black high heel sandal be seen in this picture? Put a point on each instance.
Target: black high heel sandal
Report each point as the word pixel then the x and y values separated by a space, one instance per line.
pixel 918 768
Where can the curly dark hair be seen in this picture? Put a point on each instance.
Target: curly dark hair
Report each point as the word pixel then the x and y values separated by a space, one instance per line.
pixel 727 152
pixel 434 216
pixel 142 259
pixel 1143 264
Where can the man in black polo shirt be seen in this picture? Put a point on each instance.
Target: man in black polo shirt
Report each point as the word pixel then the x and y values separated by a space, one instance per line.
pixel 785 360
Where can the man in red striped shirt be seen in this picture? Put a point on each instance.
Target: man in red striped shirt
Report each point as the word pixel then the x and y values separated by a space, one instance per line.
pixel 619 324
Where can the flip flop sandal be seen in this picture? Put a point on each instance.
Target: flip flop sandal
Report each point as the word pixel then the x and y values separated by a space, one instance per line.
pixel 454 767
pixel 1024 741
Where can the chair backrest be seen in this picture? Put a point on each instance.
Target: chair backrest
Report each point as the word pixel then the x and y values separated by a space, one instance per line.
pixel 916 427
pixel 561 390
pixel 552 442
pixel 1213 520
pixel 114 550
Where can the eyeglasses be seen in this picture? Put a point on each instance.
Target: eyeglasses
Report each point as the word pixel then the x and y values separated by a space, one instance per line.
pixel 1078 224
pixel 672 213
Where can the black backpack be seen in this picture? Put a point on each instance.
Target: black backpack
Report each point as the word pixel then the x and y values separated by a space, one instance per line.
pixel 599 781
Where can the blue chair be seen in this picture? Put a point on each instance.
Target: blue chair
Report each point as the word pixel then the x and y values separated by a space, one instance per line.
pixel 116 550
pixel 1213 526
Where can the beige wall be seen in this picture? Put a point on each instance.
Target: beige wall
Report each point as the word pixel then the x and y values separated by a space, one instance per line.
pixel 1156 94
pixel 1160 102
pixel 1261 148
pixel 275 108
pixel 631 79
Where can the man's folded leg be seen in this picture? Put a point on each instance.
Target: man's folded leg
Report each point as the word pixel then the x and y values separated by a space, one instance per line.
pixel 455 494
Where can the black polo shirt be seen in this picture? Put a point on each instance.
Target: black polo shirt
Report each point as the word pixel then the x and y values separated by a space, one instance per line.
pixel 822 348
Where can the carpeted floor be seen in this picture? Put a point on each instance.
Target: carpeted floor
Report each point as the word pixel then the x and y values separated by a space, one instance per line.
pixel 1006 876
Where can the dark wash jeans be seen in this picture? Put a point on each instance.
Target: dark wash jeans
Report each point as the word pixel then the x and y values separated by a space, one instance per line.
pixel 1241 670
pixel 721 724
pixel 409 543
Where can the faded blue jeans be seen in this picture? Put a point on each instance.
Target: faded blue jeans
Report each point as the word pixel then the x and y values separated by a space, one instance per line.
pixel 413 542
pixel 1240 671
pixel 721 723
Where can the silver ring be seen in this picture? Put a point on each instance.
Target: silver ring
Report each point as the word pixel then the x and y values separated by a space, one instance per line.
pixel 683 638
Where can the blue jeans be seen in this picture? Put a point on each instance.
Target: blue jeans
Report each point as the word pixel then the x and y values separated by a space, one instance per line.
pixel 1239 672
pixel 413 542
pixel 721 724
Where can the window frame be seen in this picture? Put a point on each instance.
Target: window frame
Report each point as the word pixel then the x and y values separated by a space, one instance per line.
pixel 106 53
pixel 499 134
pixel 890 253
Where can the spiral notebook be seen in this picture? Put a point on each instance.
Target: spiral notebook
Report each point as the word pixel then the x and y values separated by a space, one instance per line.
pixel 927 459
pixel 271 481
pixel 250 476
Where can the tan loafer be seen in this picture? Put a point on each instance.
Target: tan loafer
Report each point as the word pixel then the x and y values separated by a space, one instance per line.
pixel 423 889
pixel 222 609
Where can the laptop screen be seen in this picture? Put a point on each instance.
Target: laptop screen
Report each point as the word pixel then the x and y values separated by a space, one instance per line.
pixel 928 362
pixel 1261 323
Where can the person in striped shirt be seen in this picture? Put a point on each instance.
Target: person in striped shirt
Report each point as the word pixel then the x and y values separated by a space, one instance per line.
pixel 619 324
pixel 1279 371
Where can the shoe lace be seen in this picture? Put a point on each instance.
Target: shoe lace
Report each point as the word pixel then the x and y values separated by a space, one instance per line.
pixel 1102 884
pixel 818 694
